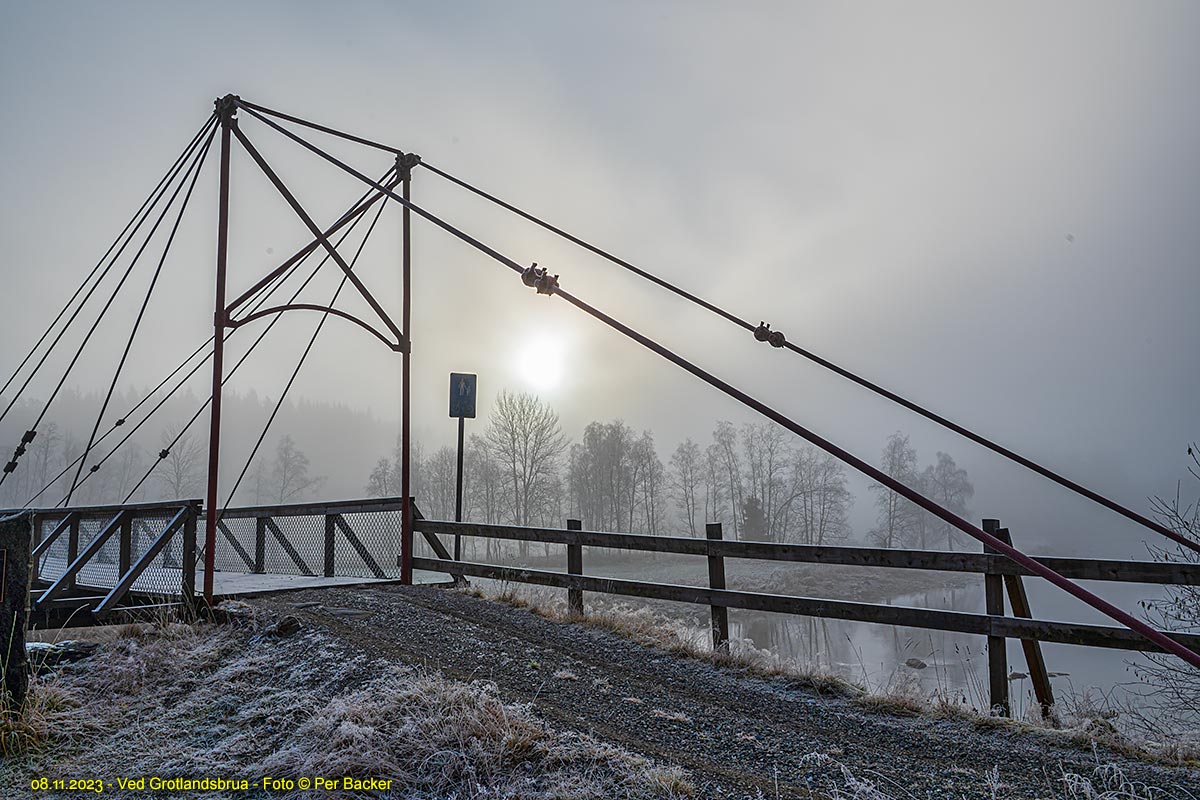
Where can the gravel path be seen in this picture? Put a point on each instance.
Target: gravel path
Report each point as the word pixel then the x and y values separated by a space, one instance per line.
pixel 737 734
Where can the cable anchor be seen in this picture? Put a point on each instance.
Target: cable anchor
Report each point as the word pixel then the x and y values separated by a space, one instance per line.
pixel 226 108
pixel 405 163
pixel 537 278
pixel 763 333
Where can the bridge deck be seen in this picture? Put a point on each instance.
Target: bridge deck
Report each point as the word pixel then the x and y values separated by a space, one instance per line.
pixel 159 580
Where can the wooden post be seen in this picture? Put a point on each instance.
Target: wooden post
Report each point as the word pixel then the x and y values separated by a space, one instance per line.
pixel 716 580
pixel 1032 648
pixel 16 539
pixel 189 559
pixel 329 544
pixel 35 538
pixel 993 590
pixel 260 545
pixel 125 558
pixel 575 567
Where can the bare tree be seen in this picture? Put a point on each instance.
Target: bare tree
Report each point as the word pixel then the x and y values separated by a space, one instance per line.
pixel 181 473
pixel 687 478
pixel 648 482
pixel 441 478
pixel 380 482
pixel 418 481
pixel 1170 686
pixel 947 484
pixel 716 504
pixel 897 520
pixel 725 451
pixel 483 481
pixel 820 498
pixel 259 481
pixel 483 490
pixel 289 476
pixel 525 437
pixel 766 459
pixel 127 470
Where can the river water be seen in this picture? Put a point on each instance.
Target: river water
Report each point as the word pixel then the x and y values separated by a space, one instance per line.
pixel 951 663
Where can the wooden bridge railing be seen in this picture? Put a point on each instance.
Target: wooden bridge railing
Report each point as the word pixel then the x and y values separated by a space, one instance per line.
pixel 101 554
pixel 996 569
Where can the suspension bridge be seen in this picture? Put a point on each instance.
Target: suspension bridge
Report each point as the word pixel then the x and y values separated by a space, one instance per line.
pixel 92 562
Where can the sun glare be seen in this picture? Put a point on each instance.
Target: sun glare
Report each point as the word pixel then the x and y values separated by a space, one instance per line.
pixel 540 362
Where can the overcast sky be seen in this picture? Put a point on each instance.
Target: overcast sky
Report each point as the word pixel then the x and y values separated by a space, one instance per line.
pixel 989 209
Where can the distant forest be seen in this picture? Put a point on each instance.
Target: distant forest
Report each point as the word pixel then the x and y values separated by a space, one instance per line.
pixel 523 469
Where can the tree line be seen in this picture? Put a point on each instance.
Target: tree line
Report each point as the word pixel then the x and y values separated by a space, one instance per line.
pixel 755 480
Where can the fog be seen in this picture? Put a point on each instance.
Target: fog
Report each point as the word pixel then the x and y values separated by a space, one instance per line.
pixel 988 210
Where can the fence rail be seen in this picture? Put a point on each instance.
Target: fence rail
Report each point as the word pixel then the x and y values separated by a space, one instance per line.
pixel 144 548
pixel 151 549
pixel 99 556
pixel 996 569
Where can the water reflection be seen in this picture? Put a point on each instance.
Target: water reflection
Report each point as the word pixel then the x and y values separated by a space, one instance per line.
pixel 938 663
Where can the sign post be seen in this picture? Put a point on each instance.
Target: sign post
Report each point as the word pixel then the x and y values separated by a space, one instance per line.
pixel 462 406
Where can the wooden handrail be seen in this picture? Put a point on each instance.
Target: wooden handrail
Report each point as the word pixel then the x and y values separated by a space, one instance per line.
pixel 955 621
pixel 935 560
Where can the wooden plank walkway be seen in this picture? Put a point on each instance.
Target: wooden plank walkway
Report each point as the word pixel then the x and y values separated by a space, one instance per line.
pixel 158 580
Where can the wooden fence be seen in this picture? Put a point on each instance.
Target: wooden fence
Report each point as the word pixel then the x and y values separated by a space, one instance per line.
pixel 999 573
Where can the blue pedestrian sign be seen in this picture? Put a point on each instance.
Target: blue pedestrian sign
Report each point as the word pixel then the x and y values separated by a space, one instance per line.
pixel 462 395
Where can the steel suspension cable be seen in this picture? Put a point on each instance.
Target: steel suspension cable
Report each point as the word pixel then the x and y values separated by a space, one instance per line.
pixel 356 211
pixel 12 465
pixel 262 335
pixel 75 295
pixel 196 169
pixel 324 129
pixel 1011 455
pixel 1096 602
pixel 259 300
pixel 303 356
pixel 132 233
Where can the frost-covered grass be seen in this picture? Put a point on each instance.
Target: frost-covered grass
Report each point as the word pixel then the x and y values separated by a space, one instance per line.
pixel 1106 781
pixel 1079 718
pixel 235 701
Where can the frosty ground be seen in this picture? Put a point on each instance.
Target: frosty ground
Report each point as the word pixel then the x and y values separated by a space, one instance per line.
pixel 454 696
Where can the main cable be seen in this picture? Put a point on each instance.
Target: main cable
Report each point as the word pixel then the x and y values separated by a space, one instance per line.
pixel 763 333
pixel 1146 631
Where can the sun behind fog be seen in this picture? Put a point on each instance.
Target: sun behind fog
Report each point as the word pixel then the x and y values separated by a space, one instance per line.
pixel 541 361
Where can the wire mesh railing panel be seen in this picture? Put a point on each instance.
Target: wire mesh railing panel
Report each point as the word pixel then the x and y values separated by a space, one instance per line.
pixel 164 574
pixel 101 570
pixel 373 533
pixel 53 561
pixel 235 545
pixel 134 531
pixel 295 545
